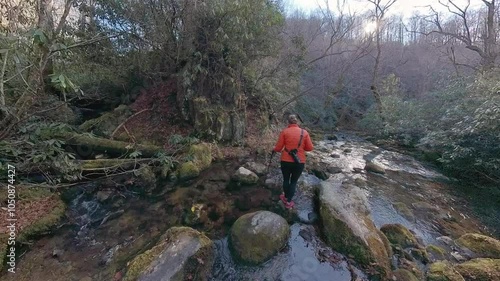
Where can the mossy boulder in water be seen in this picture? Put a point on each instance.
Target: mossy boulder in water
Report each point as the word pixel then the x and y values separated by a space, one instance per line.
pixel 480 269
pixel 443 271
pixel 399 235
pixel 349 229
pixel 256 237
pixel 201 158
pixel 483 246
pixel 180 252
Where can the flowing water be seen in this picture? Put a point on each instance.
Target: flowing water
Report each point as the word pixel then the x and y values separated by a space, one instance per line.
pixel 100 236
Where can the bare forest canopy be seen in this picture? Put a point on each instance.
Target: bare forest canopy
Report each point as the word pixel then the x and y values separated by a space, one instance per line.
pixel 429 81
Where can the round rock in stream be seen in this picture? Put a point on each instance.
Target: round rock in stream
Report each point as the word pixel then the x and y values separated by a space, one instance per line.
pixel 180 252
pixel 256 237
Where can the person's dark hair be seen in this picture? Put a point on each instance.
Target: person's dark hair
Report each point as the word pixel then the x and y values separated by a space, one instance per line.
pixel 292 119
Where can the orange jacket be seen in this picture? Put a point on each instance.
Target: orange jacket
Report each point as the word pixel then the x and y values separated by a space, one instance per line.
pixel 289 139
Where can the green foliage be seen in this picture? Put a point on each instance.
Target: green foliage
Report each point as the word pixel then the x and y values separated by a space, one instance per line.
pixel 461 123
pixel 34 152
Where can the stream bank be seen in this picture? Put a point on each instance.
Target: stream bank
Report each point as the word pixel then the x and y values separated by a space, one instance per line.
pixel 110 222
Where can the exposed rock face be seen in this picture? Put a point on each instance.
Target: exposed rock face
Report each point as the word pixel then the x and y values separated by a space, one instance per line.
pixel 348 227
pixel 245 176
pixel 256 237
pixel 483 246
pixel 223 124
pixel 179 252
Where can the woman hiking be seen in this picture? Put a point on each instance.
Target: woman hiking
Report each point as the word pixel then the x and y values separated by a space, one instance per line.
pixel 292 143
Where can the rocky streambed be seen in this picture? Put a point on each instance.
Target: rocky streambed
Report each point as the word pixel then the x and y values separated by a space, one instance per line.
pixel 361 213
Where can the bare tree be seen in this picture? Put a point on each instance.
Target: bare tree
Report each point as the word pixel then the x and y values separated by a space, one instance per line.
pixel 483 40
pixel 381 8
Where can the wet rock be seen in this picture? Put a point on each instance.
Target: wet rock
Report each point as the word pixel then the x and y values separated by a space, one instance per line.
pixel 349 229
pixel 357 170
pixel 179 252
pixel 404 275
pixel 483 246
pixel 443 271
pixel 348 150
pixel 320 174
pixel 332 138
pixel 256 237
pixel 334 155
pixel 445 239
pixel 245 176
pixel 426 207
pixel 374 168
pixel 457 256
pixel 359 182
pixel 258 168
pixel 57 253
pixel 480 269
pixel 403 210
pixel 333 170
pixel 399 235
pixel 411 267
pixel 103 195
pixel 419 254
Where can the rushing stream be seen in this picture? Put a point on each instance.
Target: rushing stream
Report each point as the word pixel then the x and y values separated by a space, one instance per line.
pixel 103 232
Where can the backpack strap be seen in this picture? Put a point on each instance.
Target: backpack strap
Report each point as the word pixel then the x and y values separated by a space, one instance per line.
pixel 300 140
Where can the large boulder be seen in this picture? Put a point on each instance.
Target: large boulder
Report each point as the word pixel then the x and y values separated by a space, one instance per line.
pixel 483 246
pixel 480 269
pixel 349 229
pixel 399 235
pixel 245 176
pixel 180 252
pixel 258 168
pixel 256 237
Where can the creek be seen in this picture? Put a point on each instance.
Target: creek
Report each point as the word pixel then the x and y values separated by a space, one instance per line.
pixel 109 222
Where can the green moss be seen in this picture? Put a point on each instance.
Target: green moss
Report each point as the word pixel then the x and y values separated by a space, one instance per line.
pixel 188 170
pixel 443 271
pixel 341 238
pixel 107 123
pixel 480 269
pixel 483 246
pixel 399 235
pixel 404 275
pixel 420 254
pixel 44 223
pixel 436 251
pixel 142 262
pixel 201 154
pixel 255 248
pixel 403 209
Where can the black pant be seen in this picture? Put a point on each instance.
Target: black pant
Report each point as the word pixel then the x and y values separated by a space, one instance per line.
pixel 291 174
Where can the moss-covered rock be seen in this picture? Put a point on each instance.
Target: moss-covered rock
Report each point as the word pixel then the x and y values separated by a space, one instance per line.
pixel 436 252
pixel 348 227
pixel 404 275
pixel 200 156
pixel 403 210
pixel 180 252
pixel 483 246
pixel 105 125
pixel 443 271
pixel 399 235
pixel 256 237
pixel 480 269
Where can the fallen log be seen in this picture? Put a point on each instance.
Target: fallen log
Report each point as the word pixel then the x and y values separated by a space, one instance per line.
pixel 108 146
pixel 95 165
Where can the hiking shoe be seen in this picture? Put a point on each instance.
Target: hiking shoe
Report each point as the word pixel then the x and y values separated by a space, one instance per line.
pixel 289 205
pixel 283 198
